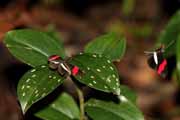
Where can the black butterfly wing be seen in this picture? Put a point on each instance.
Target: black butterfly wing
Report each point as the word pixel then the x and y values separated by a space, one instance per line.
pixel 151 62
pixel 153 65
pixel 170 66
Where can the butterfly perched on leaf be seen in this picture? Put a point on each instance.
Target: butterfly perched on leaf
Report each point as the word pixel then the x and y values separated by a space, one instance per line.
pixel 157 61
pixel 62 66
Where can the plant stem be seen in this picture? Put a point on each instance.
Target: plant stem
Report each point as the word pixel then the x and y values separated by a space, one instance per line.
pixel 81 103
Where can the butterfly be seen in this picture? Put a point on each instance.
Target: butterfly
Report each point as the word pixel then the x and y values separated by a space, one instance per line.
pixel 157 61
pixel 62 66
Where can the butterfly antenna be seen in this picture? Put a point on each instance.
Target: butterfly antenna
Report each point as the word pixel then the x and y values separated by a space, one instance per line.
pixel 148 52
pixel 162 46
pixel 172 42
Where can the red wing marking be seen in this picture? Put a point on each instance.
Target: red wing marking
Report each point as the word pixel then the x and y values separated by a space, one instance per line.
pixel 53 57
pixel 75 70
pixel 162 67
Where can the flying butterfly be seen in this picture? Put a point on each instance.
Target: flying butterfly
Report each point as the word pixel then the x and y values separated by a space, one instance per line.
pixel 158 62
pixel 62 66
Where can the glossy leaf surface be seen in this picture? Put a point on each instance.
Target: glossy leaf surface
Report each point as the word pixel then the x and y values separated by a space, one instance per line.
pixel 109 45
pixel 63 108
pixel 36 84
pixel 128 93
pixel 169 35
pixel 32 47
pixel 97 72
pixel 103 110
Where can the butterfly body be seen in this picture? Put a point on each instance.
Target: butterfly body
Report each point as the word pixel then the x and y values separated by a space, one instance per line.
pixel 157 61
pixel 62 66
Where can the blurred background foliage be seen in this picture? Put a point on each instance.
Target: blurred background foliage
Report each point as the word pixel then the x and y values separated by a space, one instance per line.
pixel 78 22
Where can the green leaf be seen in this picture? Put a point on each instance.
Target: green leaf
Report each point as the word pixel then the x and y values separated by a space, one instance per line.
pixel 170 34
pixel 63 108
pixel 98 72
pixel 53 33
pixel 36 84
pixel 178 55
pixel 110 45
pixel 128 93
pixel 103 110
pixel 32 47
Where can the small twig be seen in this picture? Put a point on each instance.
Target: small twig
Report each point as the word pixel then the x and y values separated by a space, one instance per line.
pixel 81 103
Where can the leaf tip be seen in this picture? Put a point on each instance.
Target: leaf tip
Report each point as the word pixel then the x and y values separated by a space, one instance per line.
pixel 118 91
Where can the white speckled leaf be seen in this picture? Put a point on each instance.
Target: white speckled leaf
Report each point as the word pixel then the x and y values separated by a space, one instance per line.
pixel 63 108
pixel 36 84
pixel 107 110
pixel 98 72
pixel 32 47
